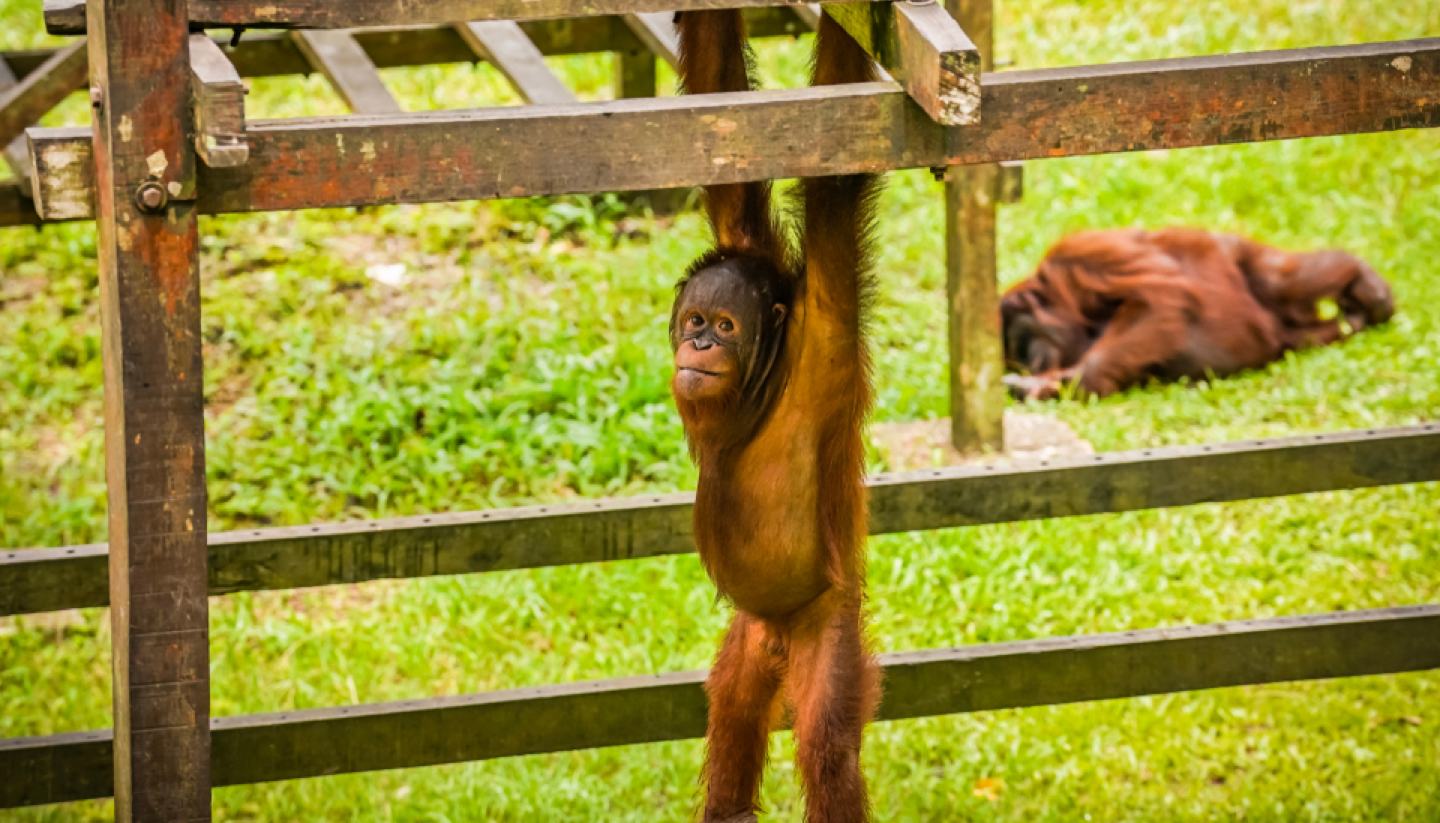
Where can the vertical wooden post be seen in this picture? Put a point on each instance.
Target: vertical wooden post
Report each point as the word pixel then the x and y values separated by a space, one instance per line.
pixel 635 72
pixel 154 429
pixel 977 400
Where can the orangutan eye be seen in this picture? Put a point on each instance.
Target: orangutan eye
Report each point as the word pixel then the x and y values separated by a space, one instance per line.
pixel 727 326
pixel 695 320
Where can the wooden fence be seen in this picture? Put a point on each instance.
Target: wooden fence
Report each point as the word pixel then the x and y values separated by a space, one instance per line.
pixel 144 181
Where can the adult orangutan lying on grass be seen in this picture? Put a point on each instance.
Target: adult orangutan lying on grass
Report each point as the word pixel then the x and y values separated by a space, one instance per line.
pixel 1108 309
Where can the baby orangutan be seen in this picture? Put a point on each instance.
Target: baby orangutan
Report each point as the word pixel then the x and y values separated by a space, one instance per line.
pixel 772 383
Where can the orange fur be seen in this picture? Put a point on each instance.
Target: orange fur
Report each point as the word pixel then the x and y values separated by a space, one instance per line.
pixel 1109 309
pixel 780 511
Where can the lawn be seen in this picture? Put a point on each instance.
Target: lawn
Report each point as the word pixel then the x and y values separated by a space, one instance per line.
pixel 523 358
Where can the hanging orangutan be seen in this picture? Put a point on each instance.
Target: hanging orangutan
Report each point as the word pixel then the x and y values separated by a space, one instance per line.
pixel 772 383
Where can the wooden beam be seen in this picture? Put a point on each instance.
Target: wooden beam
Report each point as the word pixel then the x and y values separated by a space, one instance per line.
pixel 976 354
pixel 976 362
pixel 154 407
pixel 349 70
pixel 268 53
pixel 36 580
pixel 727 138
pixel 657 31
pixel 504 45
pixel 68 16
pixel 219 95
pixel 24 103
pixel 16 154
pixel 646 709
pixel 924 49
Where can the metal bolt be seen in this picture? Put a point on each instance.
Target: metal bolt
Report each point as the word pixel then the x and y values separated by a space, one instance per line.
pixel 151 197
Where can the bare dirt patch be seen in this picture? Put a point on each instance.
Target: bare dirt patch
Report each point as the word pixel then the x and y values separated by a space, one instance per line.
pixel 1029 437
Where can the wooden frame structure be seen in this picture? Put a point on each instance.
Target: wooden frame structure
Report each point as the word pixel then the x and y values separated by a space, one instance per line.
pixel 170 141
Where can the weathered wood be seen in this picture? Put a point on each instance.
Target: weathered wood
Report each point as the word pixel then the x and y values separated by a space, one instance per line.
pixel 924 49
pixel 266 54
pixel 16 154
pixel 219 105
pixel 62 174
pixel 504 45
pixel 35 580
pixel 648 709
pixel 68 16
pixel 977 398
pixel 727 138
pixel 25 102
pixel 348 68
pixel 154 407
pixel 657 31
pixel 65 16
pixel 976 364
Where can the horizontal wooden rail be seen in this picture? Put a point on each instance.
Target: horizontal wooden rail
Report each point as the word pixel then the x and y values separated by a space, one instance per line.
pixel 266 54
pixel 35 580
pixel 726 138
pixel 647 709
pixel 68 16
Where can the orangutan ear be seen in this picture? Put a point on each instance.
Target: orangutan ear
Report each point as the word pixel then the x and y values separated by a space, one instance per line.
pixel 779 311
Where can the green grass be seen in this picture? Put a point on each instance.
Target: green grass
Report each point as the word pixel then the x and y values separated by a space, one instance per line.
pixel 524 362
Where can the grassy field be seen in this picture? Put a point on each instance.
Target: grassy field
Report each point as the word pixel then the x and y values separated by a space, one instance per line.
pixel 522 360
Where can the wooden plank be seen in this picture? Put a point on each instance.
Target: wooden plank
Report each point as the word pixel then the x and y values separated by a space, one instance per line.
pixel 68 16
pixel 154 408
pixel 976 353
pixel 729 138
pixel 16 153
pixel 657 31
pixel 62 173
pixel 504 45
pixel 24 103
pixel 349 70
pixel 267 54
pixel 976 356
pixel 219 105
pixel 654 708
pixel 923 48
pixel 34 580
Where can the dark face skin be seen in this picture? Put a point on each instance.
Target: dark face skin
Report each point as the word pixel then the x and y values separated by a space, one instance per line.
pixel 1036 340
pixel 718 332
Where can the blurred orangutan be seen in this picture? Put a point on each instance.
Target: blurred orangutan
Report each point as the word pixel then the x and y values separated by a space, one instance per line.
pixel 1106 310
